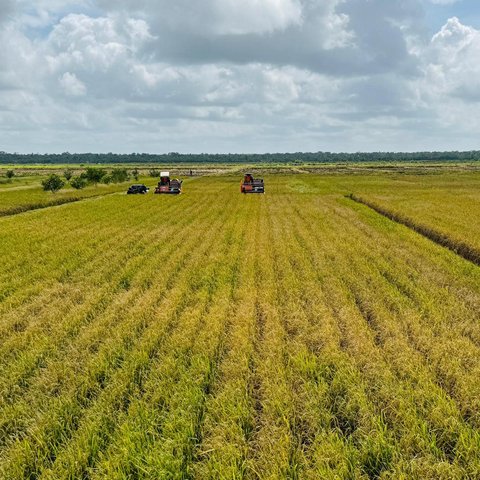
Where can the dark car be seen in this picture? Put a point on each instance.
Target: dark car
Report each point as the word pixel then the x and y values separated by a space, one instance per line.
pixel 139 188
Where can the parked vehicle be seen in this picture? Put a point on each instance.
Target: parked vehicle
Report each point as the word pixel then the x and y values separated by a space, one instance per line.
pixel 137 188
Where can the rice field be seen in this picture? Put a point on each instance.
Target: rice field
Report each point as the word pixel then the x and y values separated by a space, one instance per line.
pixel 292 335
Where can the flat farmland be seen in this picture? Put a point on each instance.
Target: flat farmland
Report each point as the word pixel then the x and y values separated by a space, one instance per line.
pixel 212 335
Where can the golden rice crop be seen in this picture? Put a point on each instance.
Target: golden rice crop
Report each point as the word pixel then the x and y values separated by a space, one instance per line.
pixel 296 334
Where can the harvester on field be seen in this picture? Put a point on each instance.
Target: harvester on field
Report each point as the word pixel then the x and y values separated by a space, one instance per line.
pixel 252 185
pixel 168 185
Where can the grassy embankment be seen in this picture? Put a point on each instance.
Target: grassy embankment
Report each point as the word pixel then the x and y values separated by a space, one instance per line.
pixel 26 193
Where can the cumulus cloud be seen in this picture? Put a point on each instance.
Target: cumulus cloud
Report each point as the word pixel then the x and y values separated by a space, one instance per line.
pixel 452 70
pixel 227 76
pixel 72 85
pixel 92 44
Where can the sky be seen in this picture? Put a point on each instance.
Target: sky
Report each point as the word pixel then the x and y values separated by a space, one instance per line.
pixel 239 76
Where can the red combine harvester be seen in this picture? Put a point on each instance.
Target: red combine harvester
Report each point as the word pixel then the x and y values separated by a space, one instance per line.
pixel 252 185
pixel 167 185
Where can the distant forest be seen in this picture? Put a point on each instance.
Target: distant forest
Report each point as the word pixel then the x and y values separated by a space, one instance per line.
pixel 237 158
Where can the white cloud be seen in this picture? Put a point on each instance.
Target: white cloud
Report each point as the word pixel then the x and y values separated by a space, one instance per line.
pixel 72 85
pixel 227 76
pixel 94 43
pixel 453 69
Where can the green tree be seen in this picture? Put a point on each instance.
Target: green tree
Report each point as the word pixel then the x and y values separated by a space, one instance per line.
pixel 93 175
pixel 78 183
pixel 154 173
pixel 53 183
pixel 135 173
pixel 107 179
pixel 68 173
pixel 120 175
pixel 10 174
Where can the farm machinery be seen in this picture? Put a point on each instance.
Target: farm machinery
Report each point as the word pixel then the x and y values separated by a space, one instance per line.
pixel 168 185
pixel 137 189
pixel 252 185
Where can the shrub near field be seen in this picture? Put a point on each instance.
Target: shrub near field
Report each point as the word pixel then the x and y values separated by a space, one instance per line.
pixel 295 334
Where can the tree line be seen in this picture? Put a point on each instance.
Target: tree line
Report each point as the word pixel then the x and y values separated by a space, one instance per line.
pixel 91 176
pixel 236 158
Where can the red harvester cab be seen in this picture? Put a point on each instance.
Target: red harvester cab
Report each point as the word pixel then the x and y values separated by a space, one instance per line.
pixel 167 185
pixel 252 185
